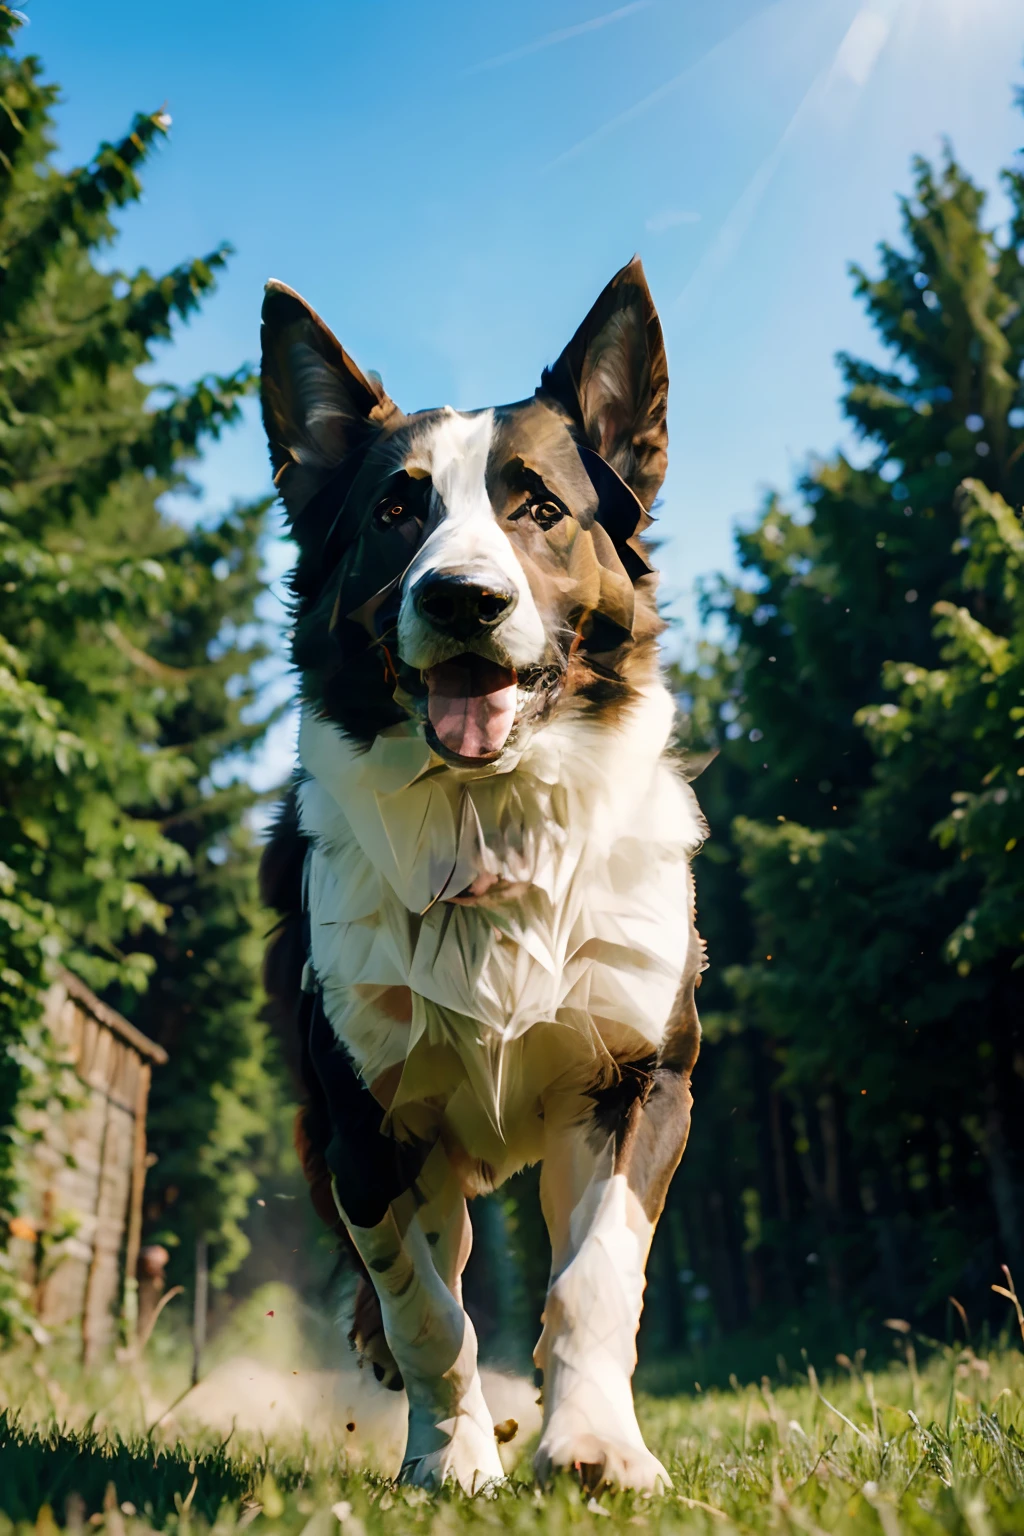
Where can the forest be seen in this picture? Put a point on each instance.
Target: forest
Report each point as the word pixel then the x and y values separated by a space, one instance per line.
pixel 856 693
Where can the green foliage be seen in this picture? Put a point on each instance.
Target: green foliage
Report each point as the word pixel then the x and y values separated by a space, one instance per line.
pixel 52 1466
pixel 858 1130
pixel 965 718
pixel 127 648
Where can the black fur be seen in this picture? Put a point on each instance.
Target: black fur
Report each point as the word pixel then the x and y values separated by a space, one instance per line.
pixel 614 1105
pixel 370 1167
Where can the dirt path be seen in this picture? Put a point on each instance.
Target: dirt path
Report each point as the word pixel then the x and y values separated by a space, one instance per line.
pixel 345 1408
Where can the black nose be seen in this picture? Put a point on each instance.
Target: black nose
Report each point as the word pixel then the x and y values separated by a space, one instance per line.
pixel 456 605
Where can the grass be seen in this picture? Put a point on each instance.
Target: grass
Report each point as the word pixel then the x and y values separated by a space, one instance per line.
pixel 937 1449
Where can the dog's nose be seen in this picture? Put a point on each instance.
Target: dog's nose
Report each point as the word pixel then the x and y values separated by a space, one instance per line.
pixel 459 606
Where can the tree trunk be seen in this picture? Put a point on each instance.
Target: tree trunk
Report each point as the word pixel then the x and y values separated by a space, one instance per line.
pixel 1001 1180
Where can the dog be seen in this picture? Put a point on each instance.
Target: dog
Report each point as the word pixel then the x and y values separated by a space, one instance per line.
pixel 486 942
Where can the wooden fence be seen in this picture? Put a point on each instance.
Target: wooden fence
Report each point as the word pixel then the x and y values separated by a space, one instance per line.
pixel 80 1229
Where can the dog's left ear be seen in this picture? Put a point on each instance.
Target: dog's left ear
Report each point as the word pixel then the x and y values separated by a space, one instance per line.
pixel 612 379
pixel 319 408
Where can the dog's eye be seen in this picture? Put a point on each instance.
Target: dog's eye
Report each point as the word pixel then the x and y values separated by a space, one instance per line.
pixel 390 512
pixel 546 513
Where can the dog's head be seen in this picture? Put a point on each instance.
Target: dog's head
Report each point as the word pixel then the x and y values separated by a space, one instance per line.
pixel 479 570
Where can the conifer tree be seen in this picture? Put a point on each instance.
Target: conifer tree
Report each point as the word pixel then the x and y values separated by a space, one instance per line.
pixel 127 643
pixel 861 895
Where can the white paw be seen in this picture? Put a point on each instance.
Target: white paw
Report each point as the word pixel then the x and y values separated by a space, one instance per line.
pixel 599 1461
pixel 600 1443
pixel 468 1455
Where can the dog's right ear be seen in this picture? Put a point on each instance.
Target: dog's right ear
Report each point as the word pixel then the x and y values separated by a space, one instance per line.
pixel 612 379
pixel 318 406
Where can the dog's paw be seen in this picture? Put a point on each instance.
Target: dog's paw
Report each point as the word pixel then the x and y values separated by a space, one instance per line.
pixel 468 1457
pixel 599 1462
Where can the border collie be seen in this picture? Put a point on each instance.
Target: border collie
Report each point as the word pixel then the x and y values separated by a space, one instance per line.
pixel 486 942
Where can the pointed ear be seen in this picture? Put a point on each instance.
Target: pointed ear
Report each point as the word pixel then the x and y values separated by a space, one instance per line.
pixel 318 407
pixel 612 379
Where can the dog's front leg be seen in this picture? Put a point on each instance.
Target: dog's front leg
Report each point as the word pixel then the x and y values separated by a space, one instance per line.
pixel 600 1236
pixel 415 1256
pixel 407 1219
pixel 602 1191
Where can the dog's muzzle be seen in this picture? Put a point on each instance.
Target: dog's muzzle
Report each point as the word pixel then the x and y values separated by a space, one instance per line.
pixel 456 633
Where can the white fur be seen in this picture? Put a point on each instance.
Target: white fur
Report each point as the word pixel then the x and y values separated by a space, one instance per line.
pixel 466 542
pixel 451 1434
pixel 587 1350
pixel 595 829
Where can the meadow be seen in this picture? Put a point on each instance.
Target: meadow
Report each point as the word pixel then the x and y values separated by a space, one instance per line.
pixel 931 1442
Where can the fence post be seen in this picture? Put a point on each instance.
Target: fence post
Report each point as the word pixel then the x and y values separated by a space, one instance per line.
pixel 199 1300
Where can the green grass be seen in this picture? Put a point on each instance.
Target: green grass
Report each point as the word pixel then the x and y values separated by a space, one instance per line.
pixel 940 1449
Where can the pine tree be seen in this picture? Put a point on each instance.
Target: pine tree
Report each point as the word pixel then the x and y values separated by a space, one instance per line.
pixel 861 895
pixel 127 644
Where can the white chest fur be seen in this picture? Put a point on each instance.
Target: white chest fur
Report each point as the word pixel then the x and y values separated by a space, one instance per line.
pixel 586 841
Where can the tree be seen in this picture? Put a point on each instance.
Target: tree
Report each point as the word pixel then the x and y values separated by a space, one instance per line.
pixel 861 893
pixel 965 717
pixel 127 647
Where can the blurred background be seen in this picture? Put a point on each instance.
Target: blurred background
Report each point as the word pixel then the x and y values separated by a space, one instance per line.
pixel 841 548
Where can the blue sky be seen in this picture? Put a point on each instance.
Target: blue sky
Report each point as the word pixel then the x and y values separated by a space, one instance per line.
pixel 452 184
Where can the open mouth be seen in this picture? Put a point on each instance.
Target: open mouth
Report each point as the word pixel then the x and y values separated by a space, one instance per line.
pixel 473 704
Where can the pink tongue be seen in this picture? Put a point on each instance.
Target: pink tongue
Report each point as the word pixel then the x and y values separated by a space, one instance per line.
pixel 471 704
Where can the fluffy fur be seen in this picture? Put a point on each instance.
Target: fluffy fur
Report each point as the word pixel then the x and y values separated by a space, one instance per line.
pixel 570 963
